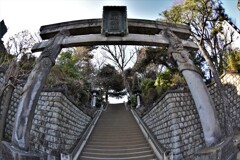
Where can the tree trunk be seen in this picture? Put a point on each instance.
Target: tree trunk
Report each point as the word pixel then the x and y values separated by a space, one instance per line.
pixel 220 87
pixel 106 96
pixel 6 103
pixel 126 84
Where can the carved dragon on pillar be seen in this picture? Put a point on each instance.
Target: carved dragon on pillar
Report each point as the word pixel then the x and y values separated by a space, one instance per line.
pixel 199 91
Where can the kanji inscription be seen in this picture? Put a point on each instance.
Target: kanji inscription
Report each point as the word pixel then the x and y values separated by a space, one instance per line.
pixel 114 21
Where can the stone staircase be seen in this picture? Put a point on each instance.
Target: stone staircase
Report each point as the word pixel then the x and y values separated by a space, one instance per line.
pixel 117 136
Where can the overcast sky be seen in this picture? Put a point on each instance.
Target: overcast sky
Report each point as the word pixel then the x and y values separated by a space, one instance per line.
pixel 31 14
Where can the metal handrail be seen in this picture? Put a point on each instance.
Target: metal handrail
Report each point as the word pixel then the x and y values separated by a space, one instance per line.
pixel 78 148
pixel 160 151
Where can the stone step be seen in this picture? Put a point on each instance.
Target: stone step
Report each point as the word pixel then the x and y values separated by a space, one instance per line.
pixel 112 131
pixel 120 134
pixel 117 155
pixel 113 139
pixel 118 150
pixel 146 157
pixel 116 144
pixel 130 146
pixel 117 136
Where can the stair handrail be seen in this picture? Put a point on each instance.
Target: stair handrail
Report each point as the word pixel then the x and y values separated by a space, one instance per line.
pixel 161 152
pixel 81 143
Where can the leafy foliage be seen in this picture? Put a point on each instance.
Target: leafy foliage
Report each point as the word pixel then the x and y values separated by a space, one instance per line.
pixel 146 84
pixel 233 61
pixel 205 17
pixel 110 79
pixel 167 80
pixel 67 63
pixel 149 94
pixel 164 80
pixel 151 57
pixel 27 62
pixel 70 71
pixel 159 73
pixel 135 84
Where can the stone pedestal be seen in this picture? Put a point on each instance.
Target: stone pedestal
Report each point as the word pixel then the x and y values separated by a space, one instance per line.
pixel 222 151
pixel 11 152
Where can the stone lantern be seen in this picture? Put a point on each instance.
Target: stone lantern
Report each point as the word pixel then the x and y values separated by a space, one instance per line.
pixel 94 98
pixel 138 94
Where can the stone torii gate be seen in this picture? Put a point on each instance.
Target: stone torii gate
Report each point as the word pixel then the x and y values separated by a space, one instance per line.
pixel 113 29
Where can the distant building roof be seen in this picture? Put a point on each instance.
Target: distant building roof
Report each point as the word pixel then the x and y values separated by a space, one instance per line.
pixel 3 29
pixel 234 26
pixel 231 32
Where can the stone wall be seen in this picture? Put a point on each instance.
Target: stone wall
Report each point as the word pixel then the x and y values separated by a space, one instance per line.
pixel 175 122
pixel 12 112
pixel 232 86
pixel 58 123
pixel 1 81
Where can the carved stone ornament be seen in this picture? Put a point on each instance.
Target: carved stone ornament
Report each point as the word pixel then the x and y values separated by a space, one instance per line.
pixel 179 54
pixel 184 62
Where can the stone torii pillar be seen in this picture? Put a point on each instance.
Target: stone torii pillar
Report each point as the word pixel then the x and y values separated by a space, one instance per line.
pixel 32 90
pixel 198 89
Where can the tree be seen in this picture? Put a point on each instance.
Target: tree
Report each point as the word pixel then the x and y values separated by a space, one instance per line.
pixel 110 80
pixel 82 57
pixel 67 62
pixel 149 91
pixel 205 18
pixel 72 72
pixel 154 58
pixel 20 44
pixel 152 66
pixel 233 61
pixel 120 56
pixel 99 62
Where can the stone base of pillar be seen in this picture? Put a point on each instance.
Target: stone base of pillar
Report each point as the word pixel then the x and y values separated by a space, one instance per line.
pixel 10 152
pixel 222 151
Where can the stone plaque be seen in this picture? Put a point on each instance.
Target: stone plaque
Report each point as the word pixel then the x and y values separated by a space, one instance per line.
pixel 114 21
